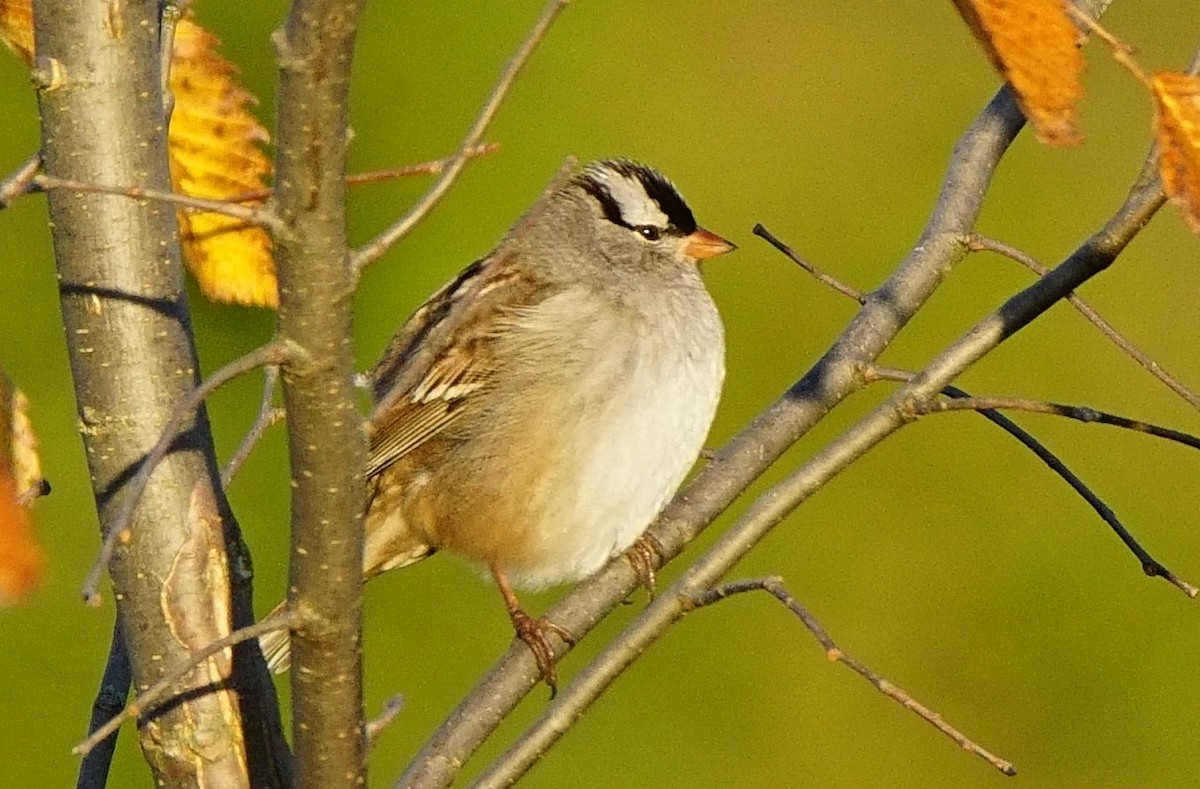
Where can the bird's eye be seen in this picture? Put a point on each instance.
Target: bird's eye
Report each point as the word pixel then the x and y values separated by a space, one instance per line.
pixel 649 232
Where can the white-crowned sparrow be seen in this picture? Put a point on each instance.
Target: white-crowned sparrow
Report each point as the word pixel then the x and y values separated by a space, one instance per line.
pixel 537 412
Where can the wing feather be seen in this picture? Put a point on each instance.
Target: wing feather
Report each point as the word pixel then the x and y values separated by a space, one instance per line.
pixel 442 357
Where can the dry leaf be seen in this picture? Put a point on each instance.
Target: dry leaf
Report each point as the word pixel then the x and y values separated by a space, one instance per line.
pixel 16 27
pixel 1177 129
pixel 1033 44
pixel 215 146
pixel 216 153
pixel 20 557
pixel 20 480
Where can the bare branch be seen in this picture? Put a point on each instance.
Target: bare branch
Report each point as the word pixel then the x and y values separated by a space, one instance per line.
pixel 268 415
pixel 275 352
pixel 1150 566
pixel 110 700
pixel 375 248
pixel 980 242
pixel 433 167
pixel 774 586
pixel 825 279
pixel 18 182
pixel 254 215
pixel 391 710
pixel 284 619
pixel 327 445
pixel 748 454
pixel 1078 413
pixel 123 299
pixel 516 761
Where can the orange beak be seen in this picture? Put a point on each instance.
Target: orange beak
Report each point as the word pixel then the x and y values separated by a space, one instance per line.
pixel 703 245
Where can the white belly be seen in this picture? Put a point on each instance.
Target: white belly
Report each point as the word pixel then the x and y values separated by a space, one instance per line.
pixel 632 439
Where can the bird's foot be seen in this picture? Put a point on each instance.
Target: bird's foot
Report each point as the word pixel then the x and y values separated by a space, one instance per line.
pixel 646 556
pixel 535 633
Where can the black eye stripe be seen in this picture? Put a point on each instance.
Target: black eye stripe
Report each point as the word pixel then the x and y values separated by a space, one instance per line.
pixel 612 211
pixel 660 191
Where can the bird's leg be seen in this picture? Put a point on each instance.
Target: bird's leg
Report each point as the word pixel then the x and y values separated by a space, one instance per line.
pixel 646 556
pixel 533 632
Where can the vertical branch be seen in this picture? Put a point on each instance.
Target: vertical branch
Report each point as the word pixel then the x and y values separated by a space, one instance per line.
pixel 325 435
pixel 133 358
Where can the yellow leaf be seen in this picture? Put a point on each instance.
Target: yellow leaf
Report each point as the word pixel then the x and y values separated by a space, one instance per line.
pixel 1033 44
pixel 1177 128
pixel 215 146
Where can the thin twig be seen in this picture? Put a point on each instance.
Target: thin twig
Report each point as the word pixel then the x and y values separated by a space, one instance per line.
pixel 510 766
pixel 172 12
pixel 1150 566
pixel 1078 413
pixel 821 276
pixel 19 181
pixel 980 242
pixel 1122 52
pixel 774 586
pixel 391 710
pixel 254 215
pixel 268 415
pixel 274 352
pixel 382 242
pixel 285 619
pixel 110 700
pixel 434 167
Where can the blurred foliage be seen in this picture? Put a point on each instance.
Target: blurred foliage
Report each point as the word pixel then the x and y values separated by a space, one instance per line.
pixel 948 559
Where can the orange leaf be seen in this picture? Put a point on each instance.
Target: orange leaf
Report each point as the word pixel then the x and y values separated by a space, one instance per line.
pixel 215 153
pixel 1177 128
pixel 20 482
pixel 1033 44
pixel 16 27
pixel 20 558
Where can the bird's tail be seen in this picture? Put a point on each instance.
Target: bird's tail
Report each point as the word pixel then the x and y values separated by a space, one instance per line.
pixel 276 646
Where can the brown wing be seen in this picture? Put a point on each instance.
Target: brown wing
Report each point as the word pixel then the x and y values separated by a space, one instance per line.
pixel 441 358
pixel 429 408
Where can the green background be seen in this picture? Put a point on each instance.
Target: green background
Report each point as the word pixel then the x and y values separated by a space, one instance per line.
pixel 948 559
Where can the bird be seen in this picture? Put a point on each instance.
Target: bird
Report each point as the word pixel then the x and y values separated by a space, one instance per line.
pixel 537 412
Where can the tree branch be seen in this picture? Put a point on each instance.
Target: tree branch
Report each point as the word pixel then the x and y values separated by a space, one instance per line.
pixel 515 762
pixel 327 443
pixel 132 357
pixel 251 215
pixel 18 182
pixel 280 621
pixel 268 415
pixel 375 248
pixel 114 689
pixel 1084 414
pixel 273 353
pixel 980 242
pixel 1150 565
